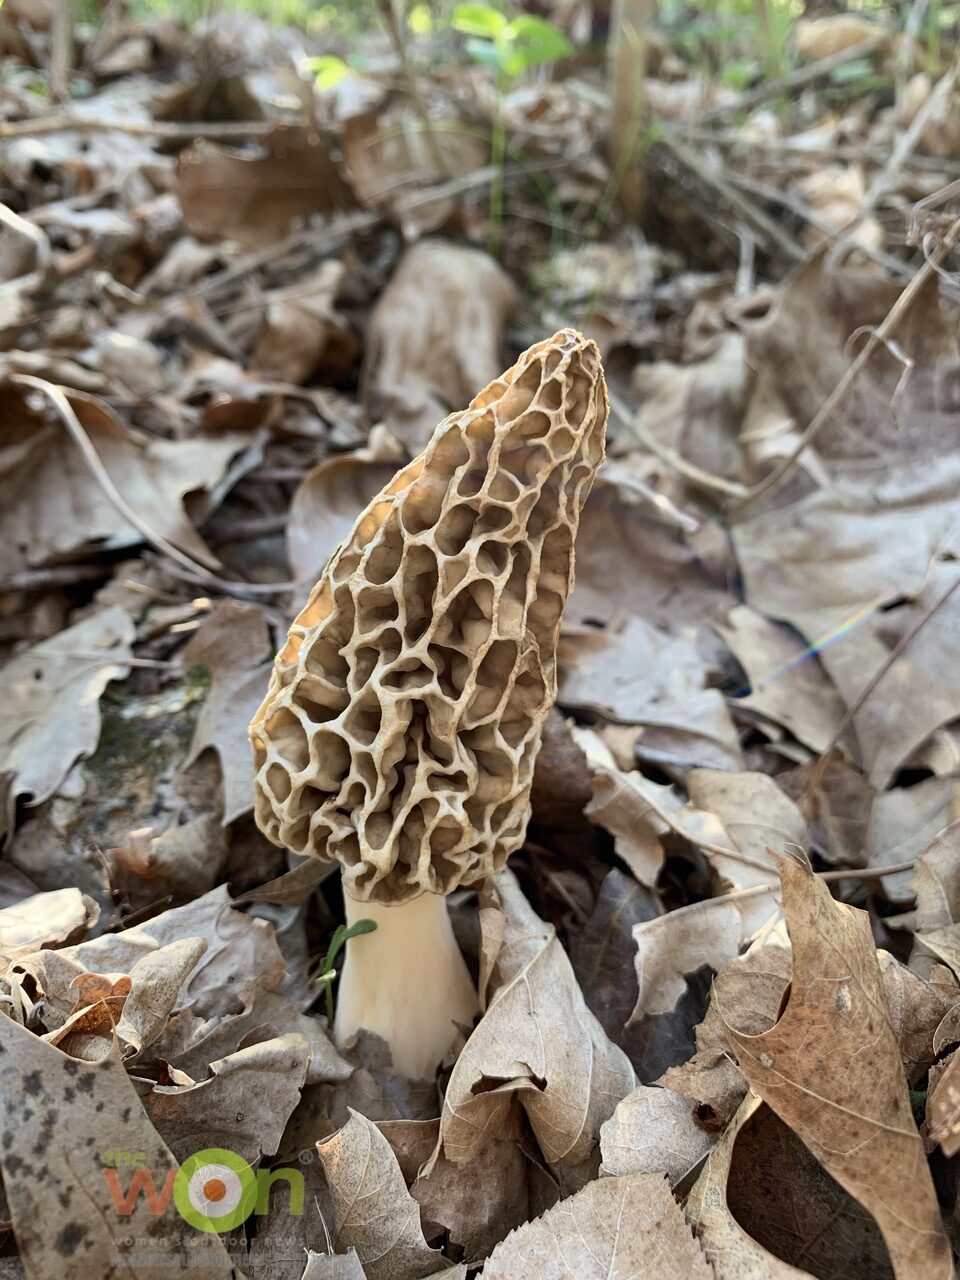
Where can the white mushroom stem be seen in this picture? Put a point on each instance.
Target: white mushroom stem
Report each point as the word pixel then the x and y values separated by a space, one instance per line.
pixel 406 981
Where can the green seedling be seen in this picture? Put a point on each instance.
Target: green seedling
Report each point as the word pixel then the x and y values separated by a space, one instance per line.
pixel 341 935
pixel 511 46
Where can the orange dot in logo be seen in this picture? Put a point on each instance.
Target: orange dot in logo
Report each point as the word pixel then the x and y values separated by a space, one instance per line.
pixel 214 1190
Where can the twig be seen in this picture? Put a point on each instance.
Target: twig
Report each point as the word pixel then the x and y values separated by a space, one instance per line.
pixel 245 530
pixel 703 479
pixel 829 877
pixel 867 873
pixel 65 412
pixel 54 577
pixel 794 80
pixel 877 338
pixel 787 151
pixel 61 50
pixel 766 191
pixel 754 216
pixel 885 179
pixel 164 130
pixel 411 83
pixel 30 231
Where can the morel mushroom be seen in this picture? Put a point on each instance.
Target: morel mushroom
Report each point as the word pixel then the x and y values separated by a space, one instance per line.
pixel 403 718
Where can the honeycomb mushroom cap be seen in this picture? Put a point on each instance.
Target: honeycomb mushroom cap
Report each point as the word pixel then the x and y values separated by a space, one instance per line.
pixel 404 713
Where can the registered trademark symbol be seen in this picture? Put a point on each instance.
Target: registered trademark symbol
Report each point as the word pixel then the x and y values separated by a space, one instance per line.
pixel 305 1157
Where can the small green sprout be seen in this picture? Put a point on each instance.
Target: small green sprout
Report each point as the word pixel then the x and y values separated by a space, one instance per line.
pixel 327 973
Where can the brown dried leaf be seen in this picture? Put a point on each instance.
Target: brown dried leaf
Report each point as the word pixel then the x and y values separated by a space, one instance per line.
pixel 434 337
pixel 233 644
pixel 750 990
pixel 243 1105
pixel 51 919
pixel 540 1041
pixel 621 806
pixel 51 505
pixel 325 507
pixel 655 574
pixel 831 1069
pixel 936 882
pixel 749 814
pixel 50 695
pixel 765 1210
pixel 636 675
pixel 653 1130
pixel 302 329
pixel 58 1119
pixel 816 38
pixel 374 1212
pixel 787 685
pixel 625 1227
pixel 477 1203
pixel 254 199
pixel 242 955
pixel 677 944
pixel 385 154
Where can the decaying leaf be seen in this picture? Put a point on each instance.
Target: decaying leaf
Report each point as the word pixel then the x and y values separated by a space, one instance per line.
pixel 41 920
pixel 476 1203
pixel 627 1227
pixel 621 805
pixel 936 882
pixel 255 198
pixel 787 684
pixel 327 503
pixel 242 1105
pixel 50 698
pixel 233 644
pixel 748 814
pixel 830 1068
pixel 374 1212
pixel 764 1209
pixel 241 954
pixel 750 991
pixel 302 329
pixel 538 1039
pixel 636 675
pixel 51 505
pixel 676 944
pixel 653 1131
pixel 61 1119
pixel 434 337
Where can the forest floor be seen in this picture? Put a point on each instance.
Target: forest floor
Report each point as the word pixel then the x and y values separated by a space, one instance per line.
pixel 245 270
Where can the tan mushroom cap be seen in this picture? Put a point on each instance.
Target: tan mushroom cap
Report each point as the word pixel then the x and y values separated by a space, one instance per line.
pixel 403 717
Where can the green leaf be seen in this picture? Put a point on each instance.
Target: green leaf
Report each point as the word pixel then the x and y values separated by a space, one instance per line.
pixel 539 39
pixel 479 20
pixel 328 72
pixel 739 73
pixel 482 51
pixel 420 20
pixel 359 928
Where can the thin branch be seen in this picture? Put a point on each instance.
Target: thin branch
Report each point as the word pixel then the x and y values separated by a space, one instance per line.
pixel 164 130
pixel 794 80
pixel 772 232
pixel 411 83
pixel 695 474
pixel 886 178
pixel 65 412
pixel 877 339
